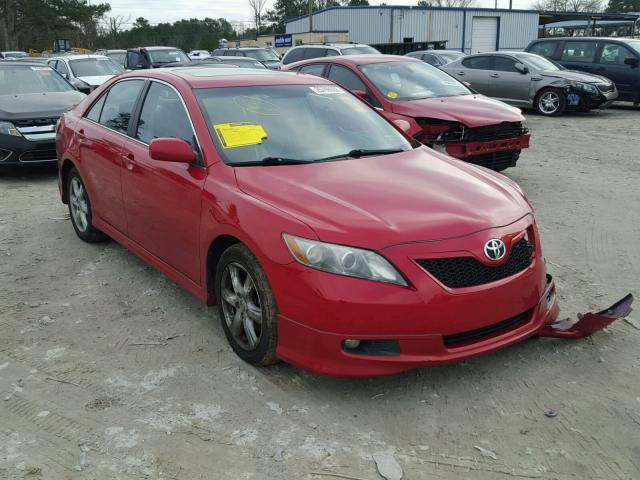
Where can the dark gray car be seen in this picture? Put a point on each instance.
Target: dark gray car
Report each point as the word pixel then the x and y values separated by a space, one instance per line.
pixel 531 81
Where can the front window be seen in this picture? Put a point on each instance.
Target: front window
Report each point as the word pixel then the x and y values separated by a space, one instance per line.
pixel 535 62
pixel 262 55
pixel 635 44
pixel 366 50
pixel 159 57
pixel 300 123
pixel 451 56
pixel 93 67
pixel 412 81
pixel 18 79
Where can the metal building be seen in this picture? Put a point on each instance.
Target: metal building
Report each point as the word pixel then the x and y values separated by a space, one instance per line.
pixel 470 30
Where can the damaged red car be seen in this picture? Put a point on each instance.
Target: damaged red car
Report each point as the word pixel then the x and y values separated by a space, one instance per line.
pixel 441 112
pixel 325 236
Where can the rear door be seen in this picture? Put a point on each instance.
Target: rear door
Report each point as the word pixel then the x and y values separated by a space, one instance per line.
pixel 475 70
pixel 611 64
pixel 579 55
pixel 101 136
pixel 508 84
pixel 163 199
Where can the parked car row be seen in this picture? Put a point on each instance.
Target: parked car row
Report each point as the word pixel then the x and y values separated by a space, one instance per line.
pixel 324 234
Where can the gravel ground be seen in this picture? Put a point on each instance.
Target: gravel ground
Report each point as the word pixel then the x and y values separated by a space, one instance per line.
pixel 109 370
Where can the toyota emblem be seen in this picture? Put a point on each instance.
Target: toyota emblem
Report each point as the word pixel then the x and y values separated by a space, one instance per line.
pixel 495 249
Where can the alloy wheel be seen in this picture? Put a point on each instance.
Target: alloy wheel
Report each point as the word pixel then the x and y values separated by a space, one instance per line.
pixel 79 204
pixel 549 103
pixel 241 306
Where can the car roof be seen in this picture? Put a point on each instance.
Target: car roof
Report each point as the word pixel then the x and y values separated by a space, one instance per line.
pixel 335 45
pixel 116 50
pixel 437 51
pixel 357 60
pixel 203 77
pixel 22 63
pixel 157 48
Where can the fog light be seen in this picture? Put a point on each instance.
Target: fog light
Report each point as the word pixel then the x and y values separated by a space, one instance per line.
pixel 351 344
pixel 551 296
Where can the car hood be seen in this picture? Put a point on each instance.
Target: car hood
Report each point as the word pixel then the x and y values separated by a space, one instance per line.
pixel 373 202
pixel 38 105
pixel 575 76
pixel 96 80
pixel 470 110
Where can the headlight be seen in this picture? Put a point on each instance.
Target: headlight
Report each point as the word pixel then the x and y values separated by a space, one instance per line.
pixel 8 128
pixel 586 87
pixel 349 261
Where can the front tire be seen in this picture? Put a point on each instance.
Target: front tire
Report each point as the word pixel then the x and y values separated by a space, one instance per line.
pixel 80 209
pixel 246 306
pixel 551 102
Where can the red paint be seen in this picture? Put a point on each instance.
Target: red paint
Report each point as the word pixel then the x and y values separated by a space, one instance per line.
pixel 413 205
pixel 469 111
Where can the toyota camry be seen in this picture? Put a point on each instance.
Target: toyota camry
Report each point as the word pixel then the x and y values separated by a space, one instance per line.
pixel 325 236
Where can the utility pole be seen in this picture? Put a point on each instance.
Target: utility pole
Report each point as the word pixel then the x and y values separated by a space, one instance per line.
pixel 310 16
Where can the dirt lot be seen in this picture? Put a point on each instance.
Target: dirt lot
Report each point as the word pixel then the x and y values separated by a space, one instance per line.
pixel 109 370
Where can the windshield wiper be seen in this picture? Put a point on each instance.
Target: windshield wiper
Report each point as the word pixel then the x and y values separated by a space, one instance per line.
pixel 268 161
pixel 362 152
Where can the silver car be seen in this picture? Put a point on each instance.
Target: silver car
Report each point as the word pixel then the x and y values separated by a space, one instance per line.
pixel 528 80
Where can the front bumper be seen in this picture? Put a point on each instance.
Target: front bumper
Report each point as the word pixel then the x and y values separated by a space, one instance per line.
pixel 580 100
pixel 463 150
pixel 18 151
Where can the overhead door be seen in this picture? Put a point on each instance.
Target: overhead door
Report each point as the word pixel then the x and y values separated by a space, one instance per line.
pixel 484 34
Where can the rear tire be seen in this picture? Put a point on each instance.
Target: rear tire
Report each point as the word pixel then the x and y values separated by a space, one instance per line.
pixel 246 306
pixel 551 102
pixel 80 209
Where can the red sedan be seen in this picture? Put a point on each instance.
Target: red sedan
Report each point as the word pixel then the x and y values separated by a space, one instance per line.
pixel 442 112
pixel 326 237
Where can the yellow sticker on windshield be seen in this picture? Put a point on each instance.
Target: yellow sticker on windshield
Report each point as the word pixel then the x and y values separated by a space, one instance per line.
pixel 392 94
pixel 233 135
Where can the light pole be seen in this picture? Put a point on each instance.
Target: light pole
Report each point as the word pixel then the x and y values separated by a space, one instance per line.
pixel 310 16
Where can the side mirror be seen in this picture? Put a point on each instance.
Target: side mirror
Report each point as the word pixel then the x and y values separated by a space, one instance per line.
pixel 522 68
pixel 632 61
pixel 361 94
pixel 171 150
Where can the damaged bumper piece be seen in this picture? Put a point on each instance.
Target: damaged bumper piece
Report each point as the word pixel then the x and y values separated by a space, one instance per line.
pixel 588 323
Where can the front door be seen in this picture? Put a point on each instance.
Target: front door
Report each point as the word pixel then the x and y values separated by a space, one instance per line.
pixel 611 65
pixel 508 84
pixel 163 199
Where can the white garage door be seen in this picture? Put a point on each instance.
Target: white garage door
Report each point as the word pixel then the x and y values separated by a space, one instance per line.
pixel 484 34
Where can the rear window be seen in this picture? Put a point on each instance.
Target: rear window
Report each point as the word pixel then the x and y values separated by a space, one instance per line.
pixel 294 55
pixel 478 63
pixel 583 52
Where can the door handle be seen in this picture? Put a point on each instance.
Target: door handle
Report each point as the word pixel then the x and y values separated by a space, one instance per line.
pixel 460 73
pixel 494 75
pixel 129 160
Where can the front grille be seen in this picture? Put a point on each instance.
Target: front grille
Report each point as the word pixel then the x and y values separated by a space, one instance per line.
pixel 474 335
pixel 35 122
pixel 39 155
pixel 500 131
pixel 497 161
pixel 463 272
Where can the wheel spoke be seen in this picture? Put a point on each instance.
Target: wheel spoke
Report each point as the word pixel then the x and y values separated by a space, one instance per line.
pixel 250 332
pixel 229 297
pixel 254 313
pixel 235 279
pixel 236 324
pixel 248 285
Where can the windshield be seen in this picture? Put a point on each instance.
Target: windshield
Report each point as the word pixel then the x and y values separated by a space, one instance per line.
pixel 262 55
pixel 18 79
pixel 412 81
pixel 89 67
pixel 537 63
pixel 302 122
pixel 167 56
pixel 635 44
pixel 359 50
pixel 117 57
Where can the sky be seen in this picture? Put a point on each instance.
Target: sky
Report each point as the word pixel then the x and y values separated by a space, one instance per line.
pixel 157 11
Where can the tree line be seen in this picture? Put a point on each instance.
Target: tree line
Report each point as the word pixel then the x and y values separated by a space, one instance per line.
pixel 35 24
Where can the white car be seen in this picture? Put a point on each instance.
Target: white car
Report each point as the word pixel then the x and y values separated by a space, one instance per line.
pixel 198 54
pixel 85 72
pixel 12 55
